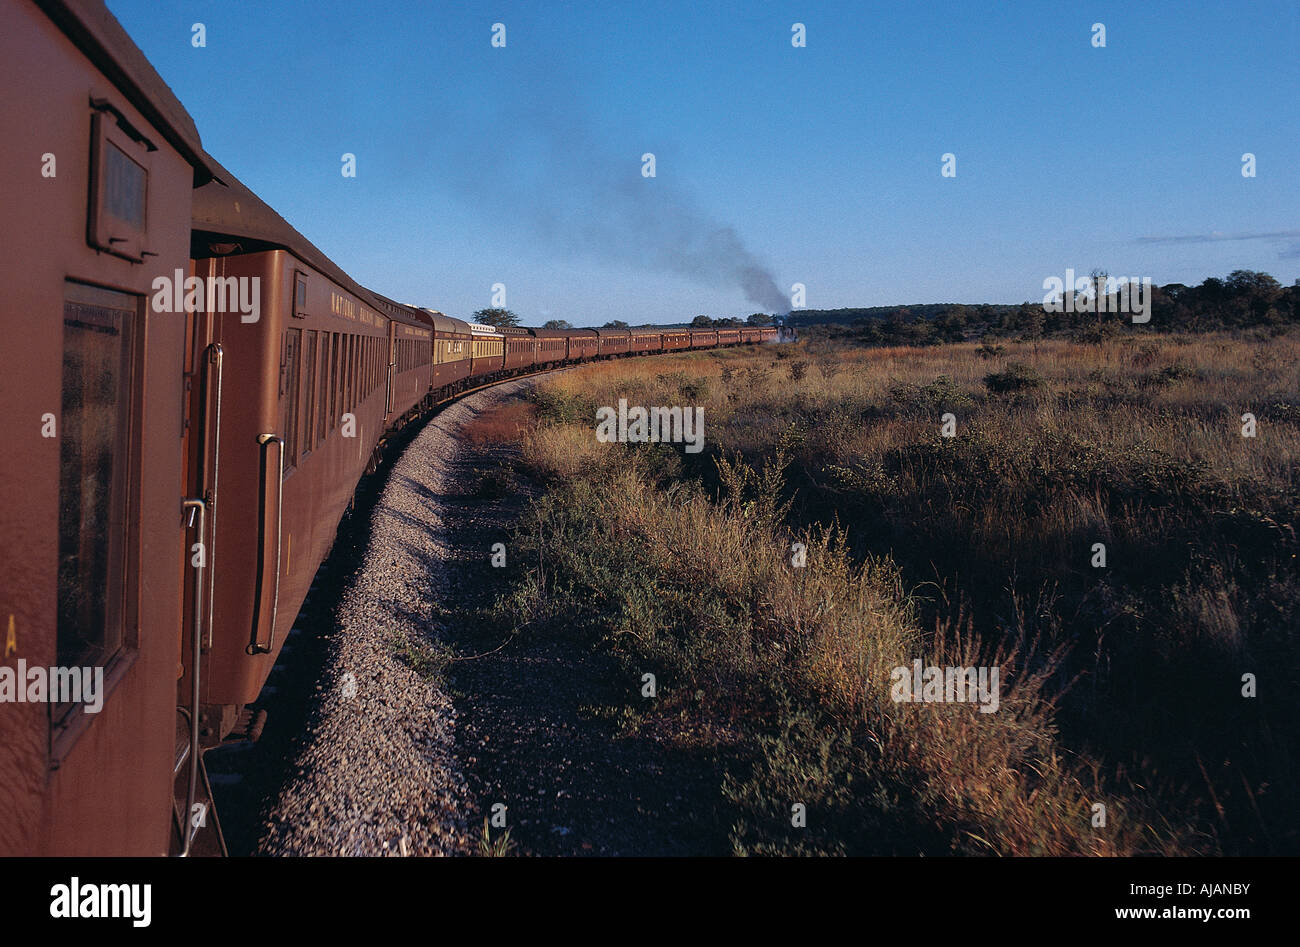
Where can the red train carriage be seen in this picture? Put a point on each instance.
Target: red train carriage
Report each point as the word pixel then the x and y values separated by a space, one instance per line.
pixel 520 350
pixel 704 338
pixel 410 367
pixel 445 367
pixel 646 340
pixel 612 342
pixel 552 347
pixel 100 164
pixel 584 344
pixel 296 374
pixel 676 339
pixel 729 336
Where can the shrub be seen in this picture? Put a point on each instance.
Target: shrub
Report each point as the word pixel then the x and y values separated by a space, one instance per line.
pixel 1017 377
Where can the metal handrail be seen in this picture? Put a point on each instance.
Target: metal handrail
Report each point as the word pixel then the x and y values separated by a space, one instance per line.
pixel 216 362
pixel 196 660
pixel 255 647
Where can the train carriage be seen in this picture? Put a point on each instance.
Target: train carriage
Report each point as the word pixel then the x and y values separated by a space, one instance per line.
pixel 704 338
pixel 100 165
pixel 410 366
pixel 613 342
pixel 447 362
pixel 487 352
pixel 552 347
pixel 646 339
pixel 584 344
pixel 729 336
pixel 289 399
pixel 520 350
pixel 676 339
pixel 452 340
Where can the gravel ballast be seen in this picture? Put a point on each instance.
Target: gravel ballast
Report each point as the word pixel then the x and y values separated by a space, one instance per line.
pixel 376 772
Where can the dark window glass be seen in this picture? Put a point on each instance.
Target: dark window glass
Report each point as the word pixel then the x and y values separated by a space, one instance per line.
pixel 124 187
pixel 289 394
pixel 334 382
pixel 322 422
pixel 352 372
pixel 94 429
pixel 309 393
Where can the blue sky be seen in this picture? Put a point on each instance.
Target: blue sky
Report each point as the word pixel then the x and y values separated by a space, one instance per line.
pixel 821 165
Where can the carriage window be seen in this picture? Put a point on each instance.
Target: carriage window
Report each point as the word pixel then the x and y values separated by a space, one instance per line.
pixel 354 365
pixel 300 296
pixel 354 389
pixel 322 414
pixel 345 395
pixel 289 395
pixel 119 185
pixel 94 428
pixel 309 394
pixel 334 382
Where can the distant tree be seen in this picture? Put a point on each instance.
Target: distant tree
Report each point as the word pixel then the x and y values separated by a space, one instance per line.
pixel 1032 322
pixel 951 325
pixel 557 324
pixel 759 319
pixel 1248 281
pixel 1256 294
pixel 1098 278
pixel 500 318
pixel 1211 289
pixel 615 324
pixel 702 322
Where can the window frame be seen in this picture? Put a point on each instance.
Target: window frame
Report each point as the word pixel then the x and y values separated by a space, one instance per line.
pixel 300 308
pixel 68 721
pixel 106 232
pixel 309 360
pixel 290 395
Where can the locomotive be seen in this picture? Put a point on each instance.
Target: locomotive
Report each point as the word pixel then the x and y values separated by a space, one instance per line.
pixel 184 442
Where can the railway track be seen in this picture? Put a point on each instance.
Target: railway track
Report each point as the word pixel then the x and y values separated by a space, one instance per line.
pixel 251 781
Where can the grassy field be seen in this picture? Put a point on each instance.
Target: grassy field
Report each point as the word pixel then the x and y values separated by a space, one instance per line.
pixel 1123 685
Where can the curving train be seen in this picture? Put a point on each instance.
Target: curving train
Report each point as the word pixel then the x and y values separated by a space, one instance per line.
pixel 183 442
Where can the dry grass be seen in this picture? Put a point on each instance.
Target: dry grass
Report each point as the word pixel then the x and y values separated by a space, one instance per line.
pixel 506 424
pixel 986 540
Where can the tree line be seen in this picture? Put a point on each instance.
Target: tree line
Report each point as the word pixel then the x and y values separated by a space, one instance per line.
pixel 1244 299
